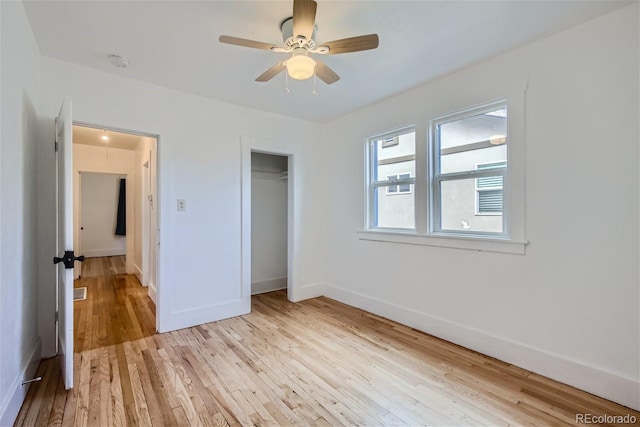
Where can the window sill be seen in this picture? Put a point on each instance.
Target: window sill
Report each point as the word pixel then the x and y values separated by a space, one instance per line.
pixel 410 237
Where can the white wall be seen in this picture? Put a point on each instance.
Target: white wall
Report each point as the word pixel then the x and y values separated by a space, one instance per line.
pixel 268 230
pixel 568 308
pixel 99 198
pixel 88 158
pixel 19 85
pixel 199 271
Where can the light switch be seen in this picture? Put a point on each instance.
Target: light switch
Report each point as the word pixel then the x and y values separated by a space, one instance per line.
pixel 182 205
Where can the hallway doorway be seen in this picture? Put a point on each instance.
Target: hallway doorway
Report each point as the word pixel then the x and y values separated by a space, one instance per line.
pixel 117 230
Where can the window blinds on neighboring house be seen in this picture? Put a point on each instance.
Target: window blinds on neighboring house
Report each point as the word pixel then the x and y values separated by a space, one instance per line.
pixel 489 190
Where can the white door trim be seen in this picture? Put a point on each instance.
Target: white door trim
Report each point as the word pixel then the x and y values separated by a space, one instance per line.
pixel 294 192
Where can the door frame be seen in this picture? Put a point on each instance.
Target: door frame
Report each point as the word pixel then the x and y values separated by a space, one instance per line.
pixel 146 213
pixel 294 155
pixel 158 296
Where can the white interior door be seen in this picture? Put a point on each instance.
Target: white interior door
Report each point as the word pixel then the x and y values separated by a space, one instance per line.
pixel 64 238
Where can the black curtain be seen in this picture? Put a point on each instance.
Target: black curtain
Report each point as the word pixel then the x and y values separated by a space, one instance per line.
pixel 121 220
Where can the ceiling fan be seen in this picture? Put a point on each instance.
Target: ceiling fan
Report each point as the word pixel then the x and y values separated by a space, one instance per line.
pixel 298 33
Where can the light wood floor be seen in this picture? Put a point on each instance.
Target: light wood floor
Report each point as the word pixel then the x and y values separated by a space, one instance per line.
pixel 318 362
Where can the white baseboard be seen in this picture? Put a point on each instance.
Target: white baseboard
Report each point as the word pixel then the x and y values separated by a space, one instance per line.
pixel 137 271
pixel 609 385
pixel 205 314
pixel 152 292
pixel 11 406
pixel 93 253
pixel 306 292
pixel 268 285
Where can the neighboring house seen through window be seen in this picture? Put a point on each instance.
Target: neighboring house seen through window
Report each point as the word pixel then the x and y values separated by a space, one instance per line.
pixel 489 191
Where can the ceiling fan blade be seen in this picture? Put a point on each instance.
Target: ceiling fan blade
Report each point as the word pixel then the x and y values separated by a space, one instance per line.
pixel 352 44
pixel 271 72
pixel 246 43
pixel 325 73
pixel 304 18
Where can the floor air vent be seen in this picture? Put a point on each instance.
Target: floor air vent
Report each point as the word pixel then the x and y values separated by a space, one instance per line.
pixel 79 294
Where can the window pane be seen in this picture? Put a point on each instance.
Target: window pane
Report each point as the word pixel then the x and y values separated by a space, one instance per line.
pixel 458 208
pixel 394 209
pixel 394 160
pixel 477 139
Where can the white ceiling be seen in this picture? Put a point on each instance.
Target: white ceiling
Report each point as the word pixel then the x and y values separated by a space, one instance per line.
pixel 92 136
pixel 175 43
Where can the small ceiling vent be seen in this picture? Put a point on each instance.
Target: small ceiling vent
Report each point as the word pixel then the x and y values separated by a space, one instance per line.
pixel 118 61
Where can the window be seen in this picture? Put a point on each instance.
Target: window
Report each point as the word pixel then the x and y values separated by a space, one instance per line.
pixel 399 188
pixel 460 187
pixel 391 172
pixel 468 159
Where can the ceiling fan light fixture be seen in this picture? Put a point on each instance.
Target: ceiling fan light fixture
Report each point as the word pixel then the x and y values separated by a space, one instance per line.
pixel 301 67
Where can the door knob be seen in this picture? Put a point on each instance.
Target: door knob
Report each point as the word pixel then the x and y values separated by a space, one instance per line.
pixel 68 259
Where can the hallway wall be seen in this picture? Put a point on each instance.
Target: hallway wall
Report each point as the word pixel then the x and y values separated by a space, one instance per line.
pixel 98 215
pixel 88 158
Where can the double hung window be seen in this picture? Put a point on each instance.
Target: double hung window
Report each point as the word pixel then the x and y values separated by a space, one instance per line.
pixel 391 178
pixel 468 163
pixel 461 186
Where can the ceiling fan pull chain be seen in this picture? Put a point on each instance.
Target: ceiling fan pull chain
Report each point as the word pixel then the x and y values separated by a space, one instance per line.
pixel 315 81
pixel 286 83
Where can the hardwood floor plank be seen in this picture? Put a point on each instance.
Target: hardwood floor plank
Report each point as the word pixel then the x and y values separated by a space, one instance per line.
pixel 141 414
pixel 318 362
pixel 57 411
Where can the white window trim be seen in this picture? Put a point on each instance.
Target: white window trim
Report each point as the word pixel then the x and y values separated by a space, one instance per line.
pixel 461 241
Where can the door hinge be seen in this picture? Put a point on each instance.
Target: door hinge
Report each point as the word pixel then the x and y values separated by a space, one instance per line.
pixel 55 145
pixel 57 315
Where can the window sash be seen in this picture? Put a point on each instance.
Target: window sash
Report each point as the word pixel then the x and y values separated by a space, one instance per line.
pixel 436 209
pixel 372 163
